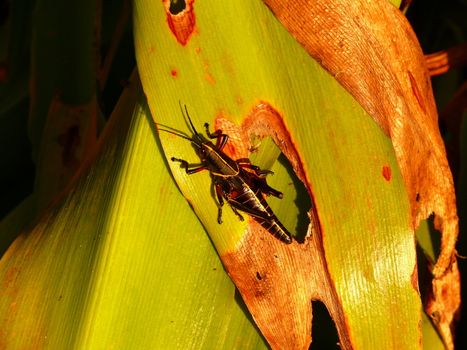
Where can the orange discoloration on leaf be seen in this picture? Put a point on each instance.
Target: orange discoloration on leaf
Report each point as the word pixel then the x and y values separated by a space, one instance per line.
pixel 416 92
pixel 181 23
pixel 264 121
pixel 387 173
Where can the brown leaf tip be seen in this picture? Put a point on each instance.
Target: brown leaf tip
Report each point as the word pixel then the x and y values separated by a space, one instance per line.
pixel 181 19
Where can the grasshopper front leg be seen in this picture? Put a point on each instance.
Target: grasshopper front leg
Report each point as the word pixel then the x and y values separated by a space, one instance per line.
pixel 184 164
pixel 221 139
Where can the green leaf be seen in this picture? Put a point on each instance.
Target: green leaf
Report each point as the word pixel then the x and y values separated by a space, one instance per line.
pixel 120 261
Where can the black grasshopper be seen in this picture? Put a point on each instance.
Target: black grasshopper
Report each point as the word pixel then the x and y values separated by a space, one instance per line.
pixel 240 183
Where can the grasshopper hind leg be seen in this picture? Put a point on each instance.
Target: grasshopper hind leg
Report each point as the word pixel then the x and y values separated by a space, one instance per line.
pixel 268 190
pixel 237 213
pixel 220 199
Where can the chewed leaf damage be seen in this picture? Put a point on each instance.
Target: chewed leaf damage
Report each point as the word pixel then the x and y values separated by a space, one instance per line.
pixel 181 19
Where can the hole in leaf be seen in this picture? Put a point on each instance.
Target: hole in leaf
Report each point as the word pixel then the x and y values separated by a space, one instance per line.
pixel 429 239
pixel 424 274
pixel 302 201
pixel 177 6
pixel 428 246
pixel 324 332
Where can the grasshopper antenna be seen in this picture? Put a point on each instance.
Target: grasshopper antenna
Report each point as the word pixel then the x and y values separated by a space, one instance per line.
pixel 173 131
pixel 186 115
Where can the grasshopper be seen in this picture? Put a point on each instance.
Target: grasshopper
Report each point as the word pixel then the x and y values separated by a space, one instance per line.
pixel 238 182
